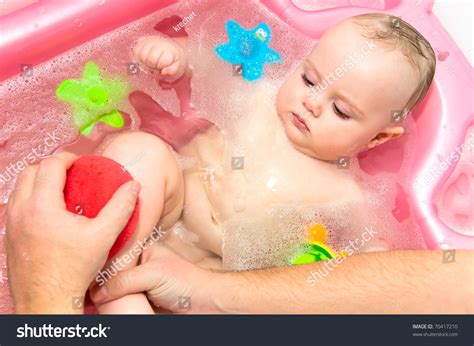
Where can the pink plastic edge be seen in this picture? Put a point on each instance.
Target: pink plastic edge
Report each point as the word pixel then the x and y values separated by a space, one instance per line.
pixel 45 29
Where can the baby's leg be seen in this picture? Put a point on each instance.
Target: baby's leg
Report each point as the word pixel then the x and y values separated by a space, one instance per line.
pixel 149 160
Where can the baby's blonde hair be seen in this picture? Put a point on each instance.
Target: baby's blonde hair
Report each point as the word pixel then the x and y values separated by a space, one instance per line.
pixel 394 33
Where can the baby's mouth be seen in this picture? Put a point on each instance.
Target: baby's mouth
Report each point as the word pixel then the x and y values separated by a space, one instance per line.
pixel 298 121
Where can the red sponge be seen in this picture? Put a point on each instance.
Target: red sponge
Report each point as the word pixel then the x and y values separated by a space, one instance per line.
pixel 91 182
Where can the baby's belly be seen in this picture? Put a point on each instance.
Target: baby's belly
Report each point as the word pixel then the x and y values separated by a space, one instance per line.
pixel 265 218
pixel 197 235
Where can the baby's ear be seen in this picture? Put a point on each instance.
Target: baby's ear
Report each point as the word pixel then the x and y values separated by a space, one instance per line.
pixel 389 133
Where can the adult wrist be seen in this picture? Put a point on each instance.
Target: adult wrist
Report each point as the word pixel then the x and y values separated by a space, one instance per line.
pixel 223 293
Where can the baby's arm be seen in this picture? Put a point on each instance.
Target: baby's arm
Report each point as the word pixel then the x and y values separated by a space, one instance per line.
pixel 168 56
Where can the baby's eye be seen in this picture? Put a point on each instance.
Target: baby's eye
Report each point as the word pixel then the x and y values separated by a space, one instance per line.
pixel 339 113
pixel 306 80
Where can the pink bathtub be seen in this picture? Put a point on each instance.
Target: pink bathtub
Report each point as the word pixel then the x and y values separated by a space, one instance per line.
pixel 42 30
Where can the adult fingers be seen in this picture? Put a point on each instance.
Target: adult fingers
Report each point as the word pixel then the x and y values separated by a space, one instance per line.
pixel 137 279
pixel 51 177
pixel 115 214
pixel 24 184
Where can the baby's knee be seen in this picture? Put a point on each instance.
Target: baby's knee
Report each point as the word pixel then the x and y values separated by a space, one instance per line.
pixel 138 150
pixel 148 159
pixel 137 142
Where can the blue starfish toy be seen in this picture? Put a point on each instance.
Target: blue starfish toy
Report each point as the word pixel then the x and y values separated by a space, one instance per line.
pixel 248 48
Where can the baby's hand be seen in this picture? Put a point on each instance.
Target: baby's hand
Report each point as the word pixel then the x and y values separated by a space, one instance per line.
pixel 163 54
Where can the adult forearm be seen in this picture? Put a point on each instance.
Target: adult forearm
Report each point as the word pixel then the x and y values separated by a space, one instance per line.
pixel 48 305
pixel 384 282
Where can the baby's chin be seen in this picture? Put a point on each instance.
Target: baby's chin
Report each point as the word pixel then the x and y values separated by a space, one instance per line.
pixel 298 142
pixel 294 136
pixel 301 142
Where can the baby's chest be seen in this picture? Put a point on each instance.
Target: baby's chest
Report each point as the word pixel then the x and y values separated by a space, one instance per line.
pixel 252 181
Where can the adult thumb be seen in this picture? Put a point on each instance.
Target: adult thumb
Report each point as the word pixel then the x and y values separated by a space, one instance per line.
pixel 114 216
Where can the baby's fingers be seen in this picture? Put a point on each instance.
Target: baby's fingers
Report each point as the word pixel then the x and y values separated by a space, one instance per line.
pixel 137 50
pixel 166 60
pixel 143 47
pixel 171 70
pixel 153 57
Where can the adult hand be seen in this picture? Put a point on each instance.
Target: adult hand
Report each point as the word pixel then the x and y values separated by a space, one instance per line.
pixel 169 281
pixel 53 255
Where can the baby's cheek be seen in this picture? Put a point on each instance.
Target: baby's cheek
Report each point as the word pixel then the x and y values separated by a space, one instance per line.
pixel 288 92
pixel 280 100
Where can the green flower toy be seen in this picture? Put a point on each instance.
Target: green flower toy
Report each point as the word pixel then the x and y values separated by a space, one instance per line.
pixel 93 98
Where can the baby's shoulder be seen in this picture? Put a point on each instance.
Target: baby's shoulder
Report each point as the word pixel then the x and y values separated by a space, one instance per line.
pixel 347 189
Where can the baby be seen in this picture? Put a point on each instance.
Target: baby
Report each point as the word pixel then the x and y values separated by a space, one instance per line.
pixel 326 111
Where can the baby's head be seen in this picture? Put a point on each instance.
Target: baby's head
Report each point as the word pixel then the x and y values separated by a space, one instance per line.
pixel 343 98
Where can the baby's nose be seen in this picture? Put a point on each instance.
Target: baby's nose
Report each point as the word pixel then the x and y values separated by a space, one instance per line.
pixel 313 105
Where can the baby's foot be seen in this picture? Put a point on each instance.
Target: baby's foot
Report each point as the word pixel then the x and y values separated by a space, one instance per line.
pixel 162 54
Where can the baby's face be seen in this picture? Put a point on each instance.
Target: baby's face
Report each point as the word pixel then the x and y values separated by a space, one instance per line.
pixel 334 106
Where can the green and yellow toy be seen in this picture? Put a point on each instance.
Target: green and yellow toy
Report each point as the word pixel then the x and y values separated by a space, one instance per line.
pixel 94 99
pixel 315 250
